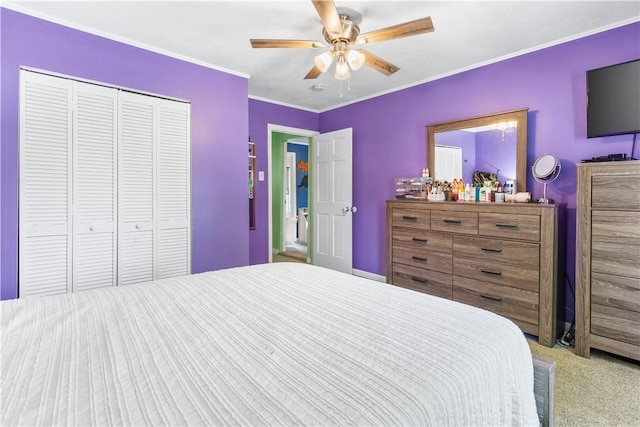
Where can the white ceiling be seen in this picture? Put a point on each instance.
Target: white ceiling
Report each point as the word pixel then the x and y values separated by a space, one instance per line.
pixel 467 34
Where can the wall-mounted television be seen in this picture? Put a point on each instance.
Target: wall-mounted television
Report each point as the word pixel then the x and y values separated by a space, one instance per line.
pixel 613 100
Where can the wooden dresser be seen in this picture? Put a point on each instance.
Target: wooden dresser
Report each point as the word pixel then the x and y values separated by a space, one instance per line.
pixel 502 257
pixel 608 258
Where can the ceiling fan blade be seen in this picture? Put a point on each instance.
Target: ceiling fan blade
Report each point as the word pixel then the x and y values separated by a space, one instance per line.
pixel 296 44
pixel 329 17
pixel 313 73
pixel 378 64
pixel 411 28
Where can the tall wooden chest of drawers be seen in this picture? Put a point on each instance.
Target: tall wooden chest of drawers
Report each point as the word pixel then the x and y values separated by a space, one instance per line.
pixel 502 257
pixel 608 258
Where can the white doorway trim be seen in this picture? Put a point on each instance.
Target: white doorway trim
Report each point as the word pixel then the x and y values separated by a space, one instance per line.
pixel 271 128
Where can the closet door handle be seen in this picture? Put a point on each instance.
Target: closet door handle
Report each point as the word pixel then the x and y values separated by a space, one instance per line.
pixel 92 228
pixel 138 226
pixel 491 297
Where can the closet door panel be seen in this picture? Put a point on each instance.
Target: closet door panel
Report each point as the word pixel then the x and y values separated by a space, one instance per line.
pixel 173 177
pixel 94 172
pixel 136 187
pixel 45 200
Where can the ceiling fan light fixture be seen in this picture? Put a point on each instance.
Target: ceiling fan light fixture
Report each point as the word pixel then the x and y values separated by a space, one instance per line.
pixel 355 59
pixel 323 61
pixel 342 69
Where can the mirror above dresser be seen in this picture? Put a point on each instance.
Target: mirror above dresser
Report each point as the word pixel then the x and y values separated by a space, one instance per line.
pixel 492 143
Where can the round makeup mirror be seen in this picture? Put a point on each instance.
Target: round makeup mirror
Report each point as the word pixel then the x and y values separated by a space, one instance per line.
pixel 545 170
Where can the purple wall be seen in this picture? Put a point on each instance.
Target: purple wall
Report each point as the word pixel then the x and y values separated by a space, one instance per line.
pixel 219 123
pixel 263 114
pixel 390 137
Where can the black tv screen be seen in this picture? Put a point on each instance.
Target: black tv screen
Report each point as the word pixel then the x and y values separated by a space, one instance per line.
pixel 613 100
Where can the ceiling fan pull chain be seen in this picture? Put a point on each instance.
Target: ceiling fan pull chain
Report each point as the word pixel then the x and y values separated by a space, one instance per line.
pixel 340 88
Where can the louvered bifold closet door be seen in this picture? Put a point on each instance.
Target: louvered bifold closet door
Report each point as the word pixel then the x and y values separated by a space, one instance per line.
pixel 45 182
pixel 94 189
pixel 136 188
pixel 173 176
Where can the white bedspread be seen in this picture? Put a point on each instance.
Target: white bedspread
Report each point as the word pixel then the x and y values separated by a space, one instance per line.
pixel 274 344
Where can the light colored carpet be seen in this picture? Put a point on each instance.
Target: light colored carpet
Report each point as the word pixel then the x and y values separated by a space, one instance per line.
pixel 601 391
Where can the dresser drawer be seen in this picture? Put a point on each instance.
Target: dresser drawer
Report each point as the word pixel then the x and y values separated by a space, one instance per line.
pixel 615 323
pixel 419 257
pixel 413 218
pixel 497 251
pixel 454 222
pixel 501 274
pixel 422 240
pixel 504 300
pixel 618 259
pixel 421 280
pixel 515 226
pixel 615 192
pixel 615 226
pixel 615 291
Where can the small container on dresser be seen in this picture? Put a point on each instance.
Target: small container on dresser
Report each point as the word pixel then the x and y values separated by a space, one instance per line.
pixel 501 257
pixel 608 258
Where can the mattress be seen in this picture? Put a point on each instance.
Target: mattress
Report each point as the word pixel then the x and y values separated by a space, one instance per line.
pixel 271 344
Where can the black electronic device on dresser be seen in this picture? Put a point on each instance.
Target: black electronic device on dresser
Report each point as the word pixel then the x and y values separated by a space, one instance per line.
pixel 608 158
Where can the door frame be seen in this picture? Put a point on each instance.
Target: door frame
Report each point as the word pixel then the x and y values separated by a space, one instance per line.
pixel 271 128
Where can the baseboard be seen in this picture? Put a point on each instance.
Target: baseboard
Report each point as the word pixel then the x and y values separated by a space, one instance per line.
pixel 367 275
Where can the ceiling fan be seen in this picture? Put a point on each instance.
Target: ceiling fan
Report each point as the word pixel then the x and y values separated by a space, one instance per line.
pixel 342 33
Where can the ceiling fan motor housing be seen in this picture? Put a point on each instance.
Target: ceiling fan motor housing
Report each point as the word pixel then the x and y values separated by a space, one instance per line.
pixel 350 31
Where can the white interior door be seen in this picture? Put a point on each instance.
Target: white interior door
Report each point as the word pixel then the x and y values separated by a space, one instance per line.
pixel 45 185
pixel 94 186
pixel 332 208
pixel 173 193
pixel 136 188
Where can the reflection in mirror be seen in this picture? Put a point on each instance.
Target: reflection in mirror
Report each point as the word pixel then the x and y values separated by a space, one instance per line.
pixel 495 145
pixel 490 149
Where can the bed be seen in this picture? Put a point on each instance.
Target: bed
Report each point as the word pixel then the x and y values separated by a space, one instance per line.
pixel 271 344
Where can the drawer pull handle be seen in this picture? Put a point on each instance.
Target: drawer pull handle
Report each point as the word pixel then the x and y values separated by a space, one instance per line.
pixel 492 250
pixel 514 226
pixel 491 298
pixel 419 279
pixel 417 258
pixel 495 273
pixel 452 221
pixel 409 218
pixel 417 239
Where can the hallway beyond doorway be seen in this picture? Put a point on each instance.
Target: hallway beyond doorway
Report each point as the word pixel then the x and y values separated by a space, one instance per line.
pixel 294 252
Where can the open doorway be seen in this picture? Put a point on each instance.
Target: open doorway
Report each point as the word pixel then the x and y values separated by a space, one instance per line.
pixel 289 191
pixel 296 199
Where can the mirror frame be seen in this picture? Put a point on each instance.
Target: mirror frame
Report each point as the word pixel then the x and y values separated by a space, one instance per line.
pixel 519 116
